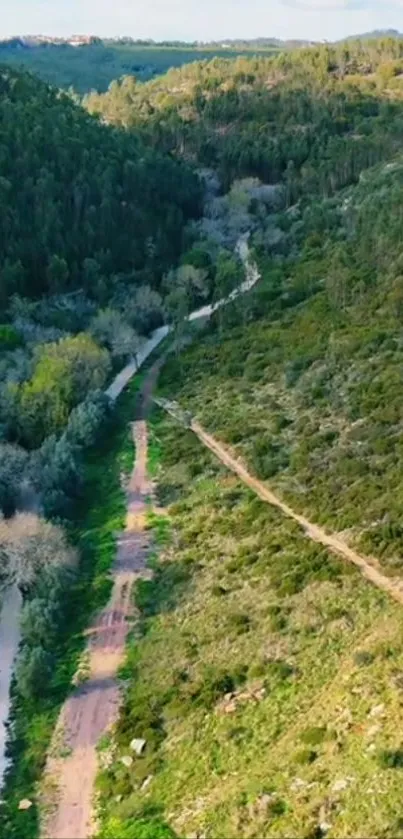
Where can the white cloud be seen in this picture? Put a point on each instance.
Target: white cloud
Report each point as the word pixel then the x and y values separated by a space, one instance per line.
pixel 325 5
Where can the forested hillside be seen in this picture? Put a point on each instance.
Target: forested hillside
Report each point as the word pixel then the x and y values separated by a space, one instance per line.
pixel 81 203
pixel 285 680
pixel 313 117
pixel 264 674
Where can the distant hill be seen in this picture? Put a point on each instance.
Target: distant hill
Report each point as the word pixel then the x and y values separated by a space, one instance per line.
pixel 86 63
pixel 376 33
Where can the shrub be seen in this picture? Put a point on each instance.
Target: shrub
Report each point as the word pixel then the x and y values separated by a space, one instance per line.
pixel 363 658
pixel 215 683
pixel 391 759
pixel 239 622
pixel 313 736
pixel 136 828
pixel 305 757
pixel 33 671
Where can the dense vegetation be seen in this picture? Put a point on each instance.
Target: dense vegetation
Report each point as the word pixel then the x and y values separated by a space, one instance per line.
pixel 308 384
pixel 279 712
pixel 82 206
pixel 72 579
pixel 313 118
pixel 91 222
pixel 102 238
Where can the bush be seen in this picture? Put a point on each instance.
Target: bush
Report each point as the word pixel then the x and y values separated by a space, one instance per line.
pixel 239 623
pixel 363 658
pixel 305 757
pixel 33 671
pixel 313 736
pixel 136 828
pixel 391 759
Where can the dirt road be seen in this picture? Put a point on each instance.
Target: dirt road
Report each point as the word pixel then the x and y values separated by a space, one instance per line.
pixel 252 276
pixel 368 566
pixel 93 707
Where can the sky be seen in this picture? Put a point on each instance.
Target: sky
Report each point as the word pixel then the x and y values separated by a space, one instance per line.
pixel 200 20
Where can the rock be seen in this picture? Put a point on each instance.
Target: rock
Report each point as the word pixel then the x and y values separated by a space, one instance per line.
pixel 25 804
pixel 340 785
pixel 146 783
pixel 375 729
pixel 118 798
pixel 325 827
pixel 127 760
pixel 138 745
pixel 371 747
pixel 265 801
pixel 297 784
pixel 378 711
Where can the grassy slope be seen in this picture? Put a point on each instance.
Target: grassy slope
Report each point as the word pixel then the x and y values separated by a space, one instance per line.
pixel 241 601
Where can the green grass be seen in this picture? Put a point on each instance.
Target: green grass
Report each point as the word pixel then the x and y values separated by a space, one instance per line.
pixel 99 515
pixel 242 608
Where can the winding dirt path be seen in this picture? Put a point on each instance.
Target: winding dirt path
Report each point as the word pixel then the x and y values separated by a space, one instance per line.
pixel 368 566
pixel 93 707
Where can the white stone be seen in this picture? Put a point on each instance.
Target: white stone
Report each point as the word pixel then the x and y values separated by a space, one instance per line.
pixel 25 804
pixel 138 745
pixel 340 785
pixel 377 711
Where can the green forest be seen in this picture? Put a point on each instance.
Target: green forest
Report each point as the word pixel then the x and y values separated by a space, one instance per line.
pixel 121 210
pixel 95 66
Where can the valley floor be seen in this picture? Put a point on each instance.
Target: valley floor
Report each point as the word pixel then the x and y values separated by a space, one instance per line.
pixel 93 707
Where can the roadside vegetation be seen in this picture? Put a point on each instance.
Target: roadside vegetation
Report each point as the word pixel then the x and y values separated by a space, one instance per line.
pixel 56 609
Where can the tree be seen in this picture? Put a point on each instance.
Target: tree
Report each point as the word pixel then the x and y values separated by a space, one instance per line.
pixel 144 310
pixel 33 671
pixel 229 274
pixel 65 372
pixel 57 274
pixel 13 461
pixel 28 545
pixel 126 343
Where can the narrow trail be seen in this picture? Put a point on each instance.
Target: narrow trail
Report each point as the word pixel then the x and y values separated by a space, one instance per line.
pixel 367 565
pixel 93 707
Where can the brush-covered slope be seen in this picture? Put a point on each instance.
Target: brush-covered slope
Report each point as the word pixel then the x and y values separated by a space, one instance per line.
pixel 307 383
pixel 265 676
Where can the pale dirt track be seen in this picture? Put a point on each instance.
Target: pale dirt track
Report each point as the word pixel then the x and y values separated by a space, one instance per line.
pixel 93 707
pixel 367 565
